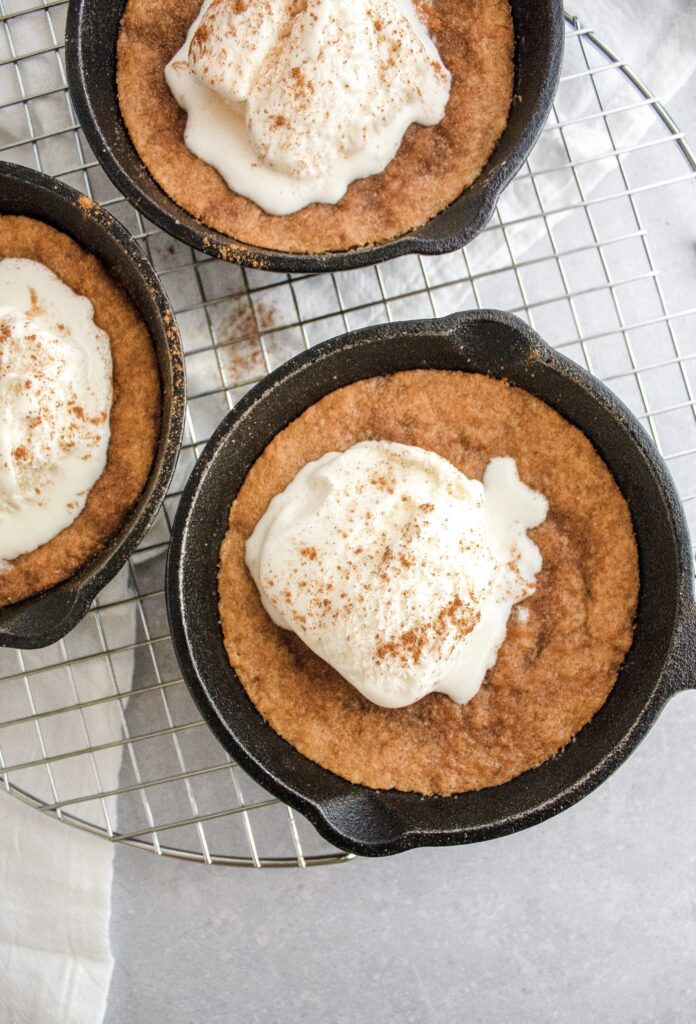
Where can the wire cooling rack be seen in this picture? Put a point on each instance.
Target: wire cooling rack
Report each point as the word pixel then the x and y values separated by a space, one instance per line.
pixel 592 244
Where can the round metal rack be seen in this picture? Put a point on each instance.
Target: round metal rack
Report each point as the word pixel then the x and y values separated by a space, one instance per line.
pixel 99 730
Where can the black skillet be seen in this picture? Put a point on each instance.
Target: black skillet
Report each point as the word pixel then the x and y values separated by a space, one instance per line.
pixel 90 51
pixel 46 618
pixel 661 661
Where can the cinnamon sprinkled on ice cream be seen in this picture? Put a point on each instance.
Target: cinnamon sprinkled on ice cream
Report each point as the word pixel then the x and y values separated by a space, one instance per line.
pixel 397 569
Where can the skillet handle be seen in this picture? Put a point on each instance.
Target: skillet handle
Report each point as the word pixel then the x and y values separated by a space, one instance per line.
pixel 44 619
pixel 683 660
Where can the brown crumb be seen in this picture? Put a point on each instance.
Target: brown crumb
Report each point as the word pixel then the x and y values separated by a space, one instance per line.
pixel 243 359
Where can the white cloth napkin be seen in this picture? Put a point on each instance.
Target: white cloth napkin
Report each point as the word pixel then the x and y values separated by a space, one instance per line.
pixel 656 40
pixel 657 43
pixel 55 888
pixel 55 881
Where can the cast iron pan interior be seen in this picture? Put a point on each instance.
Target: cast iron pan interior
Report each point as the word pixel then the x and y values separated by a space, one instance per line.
pixel 91 35
pixel 661 661
pixel 46 618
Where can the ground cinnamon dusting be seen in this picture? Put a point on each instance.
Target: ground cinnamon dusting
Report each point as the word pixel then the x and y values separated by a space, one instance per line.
pixel 432 168
pixel 135 412
pixel 554 670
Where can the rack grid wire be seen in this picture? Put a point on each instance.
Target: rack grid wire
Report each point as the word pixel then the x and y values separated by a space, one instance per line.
pixel 98 730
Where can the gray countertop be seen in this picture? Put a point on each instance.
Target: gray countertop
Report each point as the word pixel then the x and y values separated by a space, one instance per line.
pixel 590 916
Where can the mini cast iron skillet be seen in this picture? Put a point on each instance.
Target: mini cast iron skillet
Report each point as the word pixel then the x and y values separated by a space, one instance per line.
pixel 661 661
pixel 91 36
pixel 43 619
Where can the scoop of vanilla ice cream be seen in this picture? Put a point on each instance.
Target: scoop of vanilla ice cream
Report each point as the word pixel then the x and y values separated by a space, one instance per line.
pixel 350 77
pixel 232 41
pixel 292 101
pixel 396 569
pixel 55 399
